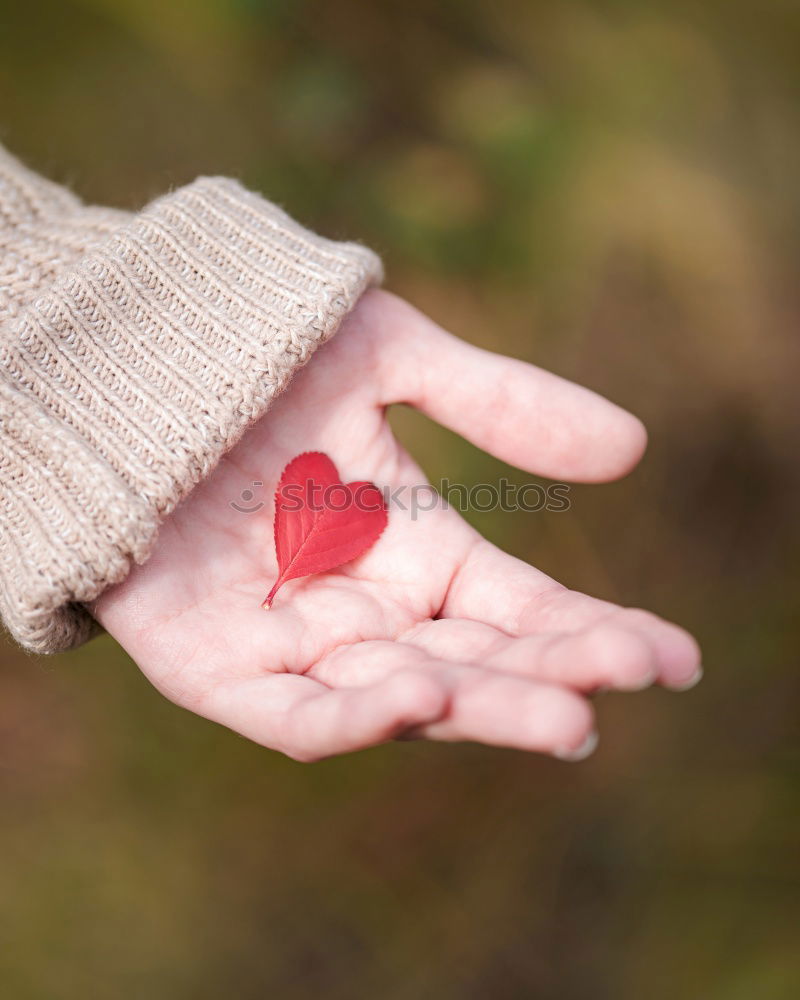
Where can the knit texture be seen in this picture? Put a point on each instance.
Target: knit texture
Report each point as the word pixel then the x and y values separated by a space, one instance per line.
pixel 135 349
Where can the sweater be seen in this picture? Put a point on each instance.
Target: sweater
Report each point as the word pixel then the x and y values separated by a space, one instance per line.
pixel 135 350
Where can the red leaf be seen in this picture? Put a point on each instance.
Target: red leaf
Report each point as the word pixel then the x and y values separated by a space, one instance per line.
pixel 321 522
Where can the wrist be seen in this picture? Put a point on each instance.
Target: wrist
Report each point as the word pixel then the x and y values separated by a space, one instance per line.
pixel 126 382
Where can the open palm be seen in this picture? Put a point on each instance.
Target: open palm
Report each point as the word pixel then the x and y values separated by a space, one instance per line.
pixel 433 632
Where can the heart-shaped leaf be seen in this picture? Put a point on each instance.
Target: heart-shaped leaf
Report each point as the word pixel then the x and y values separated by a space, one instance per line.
pixel 321 522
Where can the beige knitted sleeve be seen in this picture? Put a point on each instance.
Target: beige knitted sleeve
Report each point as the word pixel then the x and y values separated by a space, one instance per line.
pixel 134 351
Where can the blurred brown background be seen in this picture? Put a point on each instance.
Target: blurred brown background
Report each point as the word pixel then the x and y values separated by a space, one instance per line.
pixel 608 189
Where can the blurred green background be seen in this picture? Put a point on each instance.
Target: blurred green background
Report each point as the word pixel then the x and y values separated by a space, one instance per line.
pixel 607 189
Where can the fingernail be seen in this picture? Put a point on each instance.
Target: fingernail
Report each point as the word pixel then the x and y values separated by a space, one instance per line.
pixel 693 681
pixel 635 684
pixel 640 683
pixel 586 749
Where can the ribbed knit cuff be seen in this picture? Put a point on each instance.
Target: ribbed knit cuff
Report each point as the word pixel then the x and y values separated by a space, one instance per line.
pixel 123 385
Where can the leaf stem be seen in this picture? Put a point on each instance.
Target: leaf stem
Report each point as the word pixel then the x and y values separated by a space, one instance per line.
pixel 267 602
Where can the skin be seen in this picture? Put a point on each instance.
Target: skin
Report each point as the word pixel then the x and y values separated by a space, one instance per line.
pixel 433 632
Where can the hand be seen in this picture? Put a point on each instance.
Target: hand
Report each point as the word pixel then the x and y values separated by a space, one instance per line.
pixel 433 632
